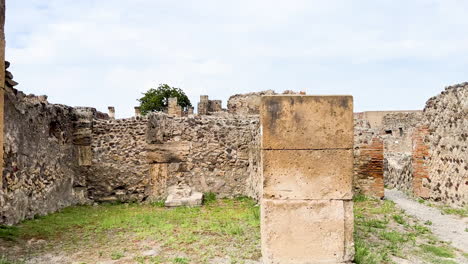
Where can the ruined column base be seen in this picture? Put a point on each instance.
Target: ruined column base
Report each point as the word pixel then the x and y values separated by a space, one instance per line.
pixel 183 196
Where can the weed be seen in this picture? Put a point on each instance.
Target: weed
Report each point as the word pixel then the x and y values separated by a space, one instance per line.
pixel 438 251
pixel 179 260
pixel 209 197
pixel 159 203
pixel 117 255
pixel 421 229
pixel 375 223
pixel 421 201
pixel 399 219
pixel 428 222
pixel 363 253
pixel 360 198
pixel 9 233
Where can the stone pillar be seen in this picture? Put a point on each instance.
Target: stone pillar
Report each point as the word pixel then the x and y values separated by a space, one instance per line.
pixel 190 110
pixel 203 105
pixel 420 156
pixel 111 112
pixel 307 155
pixel 2 83
pixel 173 108
pixel 137 111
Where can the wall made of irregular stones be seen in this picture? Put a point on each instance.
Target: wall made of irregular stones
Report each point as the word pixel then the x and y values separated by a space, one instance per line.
pixel 217 154
pixel 119 169
pixel 398 171
pixel 447 119
pixel 40 160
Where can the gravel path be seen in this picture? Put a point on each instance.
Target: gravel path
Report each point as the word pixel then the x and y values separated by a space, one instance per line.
pixel 447 227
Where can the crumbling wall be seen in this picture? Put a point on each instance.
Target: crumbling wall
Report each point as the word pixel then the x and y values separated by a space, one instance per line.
pixel 249 103
pixel 398 171
pixel 368 159
pixel 447 119
pixel 119 169
pixel 217 154
pixel 40 159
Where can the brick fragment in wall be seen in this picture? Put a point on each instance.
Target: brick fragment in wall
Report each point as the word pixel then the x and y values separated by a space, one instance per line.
pixel 368 159
pixel 419 162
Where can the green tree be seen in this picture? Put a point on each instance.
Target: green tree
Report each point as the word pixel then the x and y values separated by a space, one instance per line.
pixel 157 99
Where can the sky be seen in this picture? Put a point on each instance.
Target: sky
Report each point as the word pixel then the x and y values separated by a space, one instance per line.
pixel 388 54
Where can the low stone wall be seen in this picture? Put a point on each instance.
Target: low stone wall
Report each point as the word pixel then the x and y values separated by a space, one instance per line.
pixel 217 154
pixel 40 160
pixel 447 119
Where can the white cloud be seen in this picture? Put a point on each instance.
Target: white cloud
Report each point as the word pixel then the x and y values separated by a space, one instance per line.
pixel 103 52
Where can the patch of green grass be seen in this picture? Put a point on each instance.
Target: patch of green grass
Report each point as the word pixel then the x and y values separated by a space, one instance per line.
pixel 9 233
pixel 209 197
pixel 375 223
pixel 179 260
pixel 428 223
pixel 219 227
pixel 4 260
pixel 364 255
pixel 399 219
pixel 159 203
pixel 360 198
pixel 117 255
pixel 463 212
pixel 394 237
pixel 444 252
pixel 421 201
pixel 421 229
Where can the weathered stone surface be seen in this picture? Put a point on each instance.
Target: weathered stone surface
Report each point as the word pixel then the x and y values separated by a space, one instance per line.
pixel 308 174
pixel 307 122
pixel 168 152
pixel 302 232
pixel 446 117
pixel 182 195
pixel 209 153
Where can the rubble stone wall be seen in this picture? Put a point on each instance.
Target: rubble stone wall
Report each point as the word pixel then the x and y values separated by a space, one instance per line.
pixel 40 160
pixel 217 154
pixel 447 119
pixel 119 169
pixel 398 171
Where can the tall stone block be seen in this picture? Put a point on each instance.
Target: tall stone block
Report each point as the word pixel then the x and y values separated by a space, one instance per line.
pixel 307 208
pixel 2 83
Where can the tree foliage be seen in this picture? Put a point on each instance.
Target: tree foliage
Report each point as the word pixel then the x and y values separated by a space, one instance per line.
pixel 156 99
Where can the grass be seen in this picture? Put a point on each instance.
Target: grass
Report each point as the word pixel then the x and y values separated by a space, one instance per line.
pixel 220 228
pixel 384 233
pixel 444 252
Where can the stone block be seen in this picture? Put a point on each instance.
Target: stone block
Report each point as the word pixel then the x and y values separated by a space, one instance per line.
pixel 168 152
pixel 85 155
pixel 183 196
pixel 305 232
pixel 307 174
pixel 307 122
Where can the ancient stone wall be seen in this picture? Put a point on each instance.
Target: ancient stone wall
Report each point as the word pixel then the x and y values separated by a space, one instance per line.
pixel 397 131
pixel 119 169
pixel 368 159
pixel 217 154
pixel 398 171
pixel 447 163
pixel 40 160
